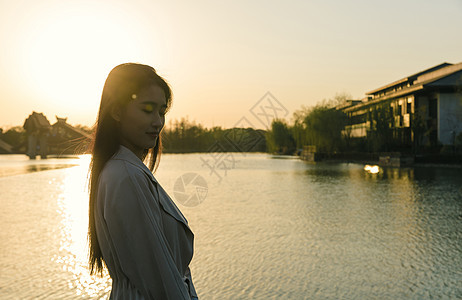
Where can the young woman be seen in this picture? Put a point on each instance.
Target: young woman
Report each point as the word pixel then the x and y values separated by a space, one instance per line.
pixel 134 226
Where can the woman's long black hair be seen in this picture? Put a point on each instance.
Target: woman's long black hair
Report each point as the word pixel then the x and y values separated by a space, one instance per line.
pixel 122 82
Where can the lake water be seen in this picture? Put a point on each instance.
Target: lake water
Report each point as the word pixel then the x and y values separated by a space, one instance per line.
pixel 265 228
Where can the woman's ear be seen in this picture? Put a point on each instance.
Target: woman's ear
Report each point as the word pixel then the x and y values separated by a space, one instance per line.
pixel 115 113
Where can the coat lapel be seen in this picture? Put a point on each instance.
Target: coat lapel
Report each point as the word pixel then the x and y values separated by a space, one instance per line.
pixel 169 206
pixel 164 199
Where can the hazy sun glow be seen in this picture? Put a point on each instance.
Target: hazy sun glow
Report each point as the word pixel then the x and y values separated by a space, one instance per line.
pixel 67 54
pixel 220 58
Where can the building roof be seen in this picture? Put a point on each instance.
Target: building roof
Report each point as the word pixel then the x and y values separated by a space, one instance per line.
pixel 443 75
pixel 347 103
pixel 409 79
pixel 36 121
pixel 62 122
pixel 421 79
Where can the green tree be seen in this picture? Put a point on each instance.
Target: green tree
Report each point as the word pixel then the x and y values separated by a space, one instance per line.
pixel 279 139
pixel 324 127
pixel 15 136
pixel 183 136
pixel 299 131
pixel 418 127
pixel 380 137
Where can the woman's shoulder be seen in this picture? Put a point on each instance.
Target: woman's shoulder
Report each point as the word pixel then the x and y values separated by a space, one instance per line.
pixel 117 170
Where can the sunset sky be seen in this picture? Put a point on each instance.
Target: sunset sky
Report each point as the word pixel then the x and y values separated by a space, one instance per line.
pixel 220 57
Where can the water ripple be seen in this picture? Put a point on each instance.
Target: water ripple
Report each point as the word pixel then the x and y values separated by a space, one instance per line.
pixel 272 229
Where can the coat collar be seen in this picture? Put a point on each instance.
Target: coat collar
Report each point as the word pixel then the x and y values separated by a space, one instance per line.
pixel 167 204
pixel 126 154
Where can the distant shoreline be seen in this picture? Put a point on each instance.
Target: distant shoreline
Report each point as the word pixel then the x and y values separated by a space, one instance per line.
pixel 445 161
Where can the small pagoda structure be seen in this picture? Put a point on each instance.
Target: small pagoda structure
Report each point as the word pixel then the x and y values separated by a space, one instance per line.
pixel 67 139
pixel 38 130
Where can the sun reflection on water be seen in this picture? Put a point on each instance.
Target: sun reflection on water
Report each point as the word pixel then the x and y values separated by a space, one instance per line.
pixel 372 169
pixel 73 252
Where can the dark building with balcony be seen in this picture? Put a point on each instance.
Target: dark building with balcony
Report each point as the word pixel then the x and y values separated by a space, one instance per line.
pixel 423 109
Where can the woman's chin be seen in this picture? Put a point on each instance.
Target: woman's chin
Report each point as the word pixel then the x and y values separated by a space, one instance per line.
pixel 151 144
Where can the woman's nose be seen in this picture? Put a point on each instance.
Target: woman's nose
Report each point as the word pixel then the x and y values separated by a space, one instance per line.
pixel 157 121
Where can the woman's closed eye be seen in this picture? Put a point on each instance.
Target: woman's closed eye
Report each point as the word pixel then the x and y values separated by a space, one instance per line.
pixel 148 108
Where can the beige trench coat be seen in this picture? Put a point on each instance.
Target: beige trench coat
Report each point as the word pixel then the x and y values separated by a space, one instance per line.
pixel 146 242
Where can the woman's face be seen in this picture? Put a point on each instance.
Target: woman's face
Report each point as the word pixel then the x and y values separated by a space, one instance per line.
pixel 142 119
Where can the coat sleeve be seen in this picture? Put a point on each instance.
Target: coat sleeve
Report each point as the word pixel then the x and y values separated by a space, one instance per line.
pixel 192 289
pixel 132 215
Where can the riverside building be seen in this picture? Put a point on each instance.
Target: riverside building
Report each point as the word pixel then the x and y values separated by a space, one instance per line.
pixel 423 109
